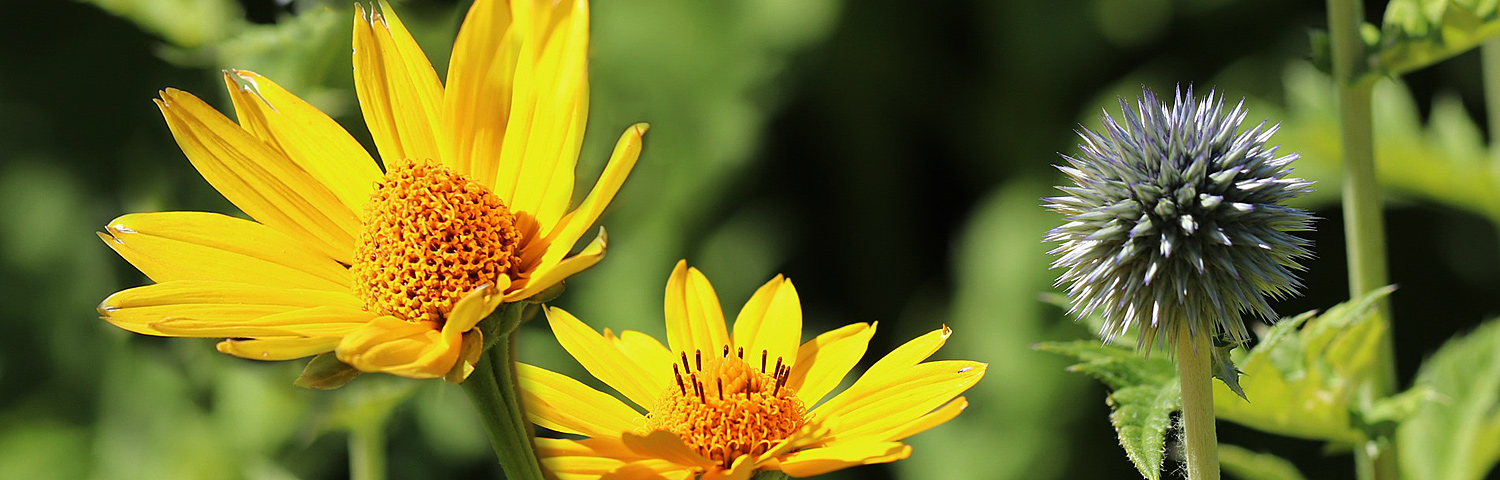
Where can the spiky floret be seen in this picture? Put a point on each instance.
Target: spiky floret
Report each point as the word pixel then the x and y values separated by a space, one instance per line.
pixel 1176 217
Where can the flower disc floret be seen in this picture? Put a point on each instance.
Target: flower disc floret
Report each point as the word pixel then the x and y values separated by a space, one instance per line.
pixel 724 408
pixel 1176 217
pixel 430 236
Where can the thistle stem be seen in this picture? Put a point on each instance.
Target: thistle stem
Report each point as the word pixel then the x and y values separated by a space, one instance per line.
pixel 1199 433
pixel 492 386
pixel 367 451
pixel 1364 229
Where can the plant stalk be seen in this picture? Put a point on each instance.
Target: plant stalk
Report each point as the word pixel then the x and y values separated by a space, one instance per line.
pixel 1364 228
pixel 1199 433
pixel 367 452
pixel 493 388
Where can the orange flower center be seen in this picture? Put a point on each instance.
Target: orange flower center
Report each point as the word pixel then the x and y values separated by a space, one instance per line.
pixel 431 235
pixel 724 407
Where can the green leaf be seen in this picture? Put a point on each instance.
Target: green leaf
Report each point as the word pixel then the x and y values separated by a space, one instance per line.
pixel 1303 376
pixel 1458 436
pixel 1145 393
pixel 1224 369
pixel 326 372
pixel 1247 465
pixel 1445 162
pixel 1418 33
pixel 183 23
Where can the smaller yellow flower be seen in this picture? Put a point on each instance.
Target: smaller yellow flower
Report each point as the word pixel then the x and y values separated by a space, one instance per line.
pixel 726 404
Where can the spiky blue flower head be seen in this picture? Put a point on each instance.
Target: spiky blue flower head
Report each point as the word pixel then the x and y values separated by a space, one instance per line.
pixel 1175 216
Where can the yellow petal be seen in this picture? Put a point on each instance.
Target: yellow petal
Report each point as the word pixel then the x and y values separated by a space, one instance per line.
pixel 398 91
pixel 517 100
pixel 548 108
pixel 644 349
pixel 607 363
pixel 818 461
pixel 580 467
pixel 273 349
pixel 666 446
pixel 921 424
pixel 391 345
pixel 473 307
pixel 824 361
pixel 906 355
pixel 259 180
pixel 650 469
pixel 695 322
pixel 170 246
pixel 305 134
pixel 611 447
pixel 771 321
pixel 476 101
pixel 573 225
pixel 742 468
pixel 306 322
pixel 555 401
pixel 547 276
pixel 138 309
pixel 889 403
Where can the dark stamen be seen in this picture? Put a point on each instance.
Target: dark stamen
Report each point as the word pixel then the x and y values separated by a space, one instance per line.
pixel 721 388
pixel 677 374
pixel 698 357
pixel 742 353
pixel 762 361
pixel 726 351
pixel 685 366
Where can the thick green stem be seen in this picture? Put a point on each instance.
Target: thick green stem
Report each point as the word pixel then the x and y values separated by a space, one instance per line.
pixel 1490 57
pixel 494 391
pixel 1199 433
pixel 367 452
pixel 1364 228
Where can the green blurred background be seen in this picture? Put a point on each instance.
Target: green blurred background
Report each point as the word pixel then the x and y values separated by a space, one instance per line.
pixel 889 156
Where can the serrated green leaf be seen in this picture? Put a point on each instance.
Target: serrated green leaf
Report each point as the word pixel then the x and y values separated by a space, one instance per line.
pixel 1145 393
pixel 1305 373
pixel 1458 436
pixel 326 372
pixel 1247 465
pixel 1419 33
pixel 1224 368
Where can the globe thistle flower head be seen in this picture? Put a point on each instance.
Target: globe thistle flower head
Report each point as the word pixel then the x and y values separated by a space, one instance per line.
pixel 1177 216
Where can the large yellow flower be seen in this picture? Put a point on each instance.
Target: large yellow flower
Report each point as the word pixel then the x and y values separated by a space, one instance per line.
pixel 725 404
pixel 390 268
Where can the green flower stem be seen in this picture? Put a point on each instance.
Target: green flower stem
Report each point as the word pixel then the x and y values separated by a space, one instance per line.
pixel 492 387
pixel 1199 433
pixel 1489 53
pixel 367 451
pixel 1364 229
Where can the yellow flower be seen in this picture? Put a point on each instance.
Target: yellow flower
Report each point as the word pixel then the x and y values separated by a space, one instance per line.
pixel 390 269
pixel 725 404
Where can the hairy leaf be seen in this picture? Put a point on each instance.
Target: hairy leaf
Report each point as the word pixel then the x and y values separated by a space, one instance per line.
pixel 1303 376
pixel 1145 393
pixel 1458 436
